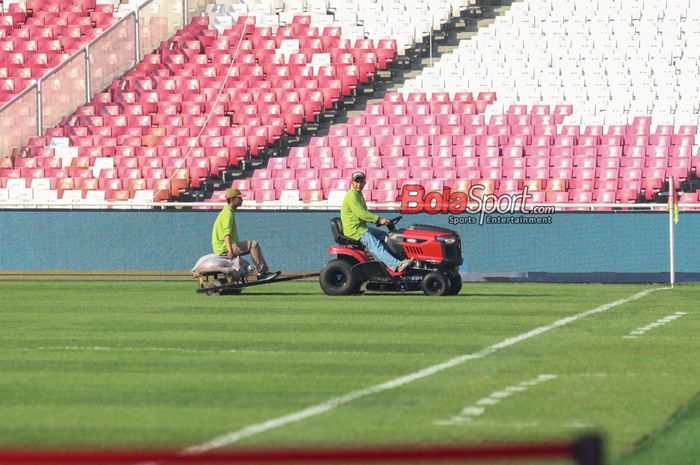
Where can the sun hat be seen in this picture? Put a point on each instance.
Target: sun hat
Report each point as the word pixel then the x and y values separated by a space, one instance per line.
pixel 233 193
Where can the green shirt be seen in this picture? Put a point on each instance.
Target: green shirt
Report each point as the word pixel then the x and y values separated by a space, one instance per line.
pixel 225 225
pixel 354 215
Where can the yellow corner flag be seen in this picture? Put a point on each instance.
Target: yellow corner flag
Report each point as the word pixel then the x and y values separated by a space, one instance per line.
pixel 673 201
pixel 675 211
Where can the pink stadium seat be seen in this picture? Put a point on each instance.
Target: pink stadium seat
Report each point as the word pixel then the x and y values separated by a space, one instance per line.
pixel 267 97
pixel 689 197
pixel 562 111
pixel 682 140
pixel 519 120
pixel 384 196
pixel 517 110
pixel 557 196
pixel 604 196
pixel 580 196
pixel 606 184
pixel 687 130
pixel 540 110
pixel 627 195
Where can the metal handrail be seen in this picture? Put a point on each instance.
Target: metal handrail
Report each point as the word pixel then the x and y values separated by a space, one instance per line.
pixel 113 26
pixel 84 49
pixel 137 36
pixel 102 35
pixel 17 97
pixel 131 204
pixel 44 78
pixel 61 65
pixel 138 10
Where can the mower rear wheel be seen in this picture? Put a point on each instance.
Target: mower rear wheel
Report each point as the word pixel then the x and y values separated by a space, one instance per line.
pixel 455 283
pixel 336 278
pixel 435 284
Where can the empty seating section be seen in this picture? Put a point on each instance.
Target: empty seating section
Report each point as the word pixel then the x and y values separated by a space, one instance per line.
pixel 38 35
pixel 443 142
pixel 579 101
pixel 404 21
pixel 612 60
pixel 141 134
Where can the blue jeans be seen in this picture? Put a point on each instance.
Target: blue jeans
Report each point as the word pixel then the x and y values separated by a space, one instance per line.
pixel 373 240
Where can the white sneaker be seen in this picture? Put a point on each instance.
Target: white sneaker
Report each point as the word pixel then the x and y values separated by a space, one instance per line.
pixel 403 264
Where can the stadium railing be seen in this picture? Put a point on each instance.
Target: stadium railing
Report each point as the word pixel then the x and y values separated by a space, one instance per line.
pixel 91 69
pixel 141 204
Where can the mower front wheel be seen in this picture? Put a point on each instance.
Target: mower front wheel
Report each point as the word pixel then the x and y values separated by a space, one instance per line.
pixel 435 284
pixel 336 278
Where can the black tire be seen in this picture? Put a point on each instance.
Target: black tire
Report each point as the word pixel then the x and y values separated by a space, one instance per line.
pixel 455 283
pixel 435 284
pixel 336 278
pixel 212 286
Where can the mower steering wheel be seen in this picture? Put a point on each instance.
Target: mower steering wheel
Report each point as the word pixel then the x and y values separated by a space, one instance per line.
pixel 392 223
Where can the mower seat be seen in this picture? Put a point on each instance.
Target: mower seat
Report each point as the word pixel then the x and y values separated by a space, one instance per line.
pixel 340 238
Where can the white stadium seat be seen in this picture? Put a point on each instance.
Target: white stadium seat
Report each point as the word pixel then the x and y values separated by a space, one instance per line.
pixel 558 52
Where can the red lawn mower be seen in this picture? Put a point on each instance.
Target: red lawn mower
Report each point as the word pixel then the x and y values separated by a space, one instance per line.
pixel 437 253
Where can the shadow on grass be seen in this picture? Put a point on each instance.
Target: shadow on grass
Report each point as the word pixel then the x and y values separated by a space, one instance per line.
pixel 461 296
pixel 496 294
pixel 299 294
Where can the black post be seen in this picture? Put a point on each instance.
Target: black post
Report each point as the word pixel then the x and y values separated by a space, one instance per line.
pixel 588 450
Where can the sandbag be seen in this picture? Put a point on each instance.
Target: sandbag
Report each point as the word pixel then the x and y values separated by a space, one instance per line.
pixel 212 264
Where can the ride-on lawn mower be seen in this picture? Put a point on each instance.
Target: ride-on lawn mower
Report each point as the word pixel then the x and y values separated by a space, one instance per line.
pixel 437 253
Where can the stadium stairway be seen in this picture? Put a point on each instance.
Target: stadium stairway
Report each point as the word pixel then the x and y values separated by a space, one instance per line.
pixel 277 148
pixel 406 66
pixel 70 174
pixel 160 107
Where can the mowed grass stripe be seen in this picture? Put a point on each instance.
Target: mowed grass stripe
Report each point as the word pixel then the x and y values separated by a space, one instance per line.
pixel 136 315
pixel 178 350
pixel 674 442
pixel 620 387
pixel 153 398
pixel 335 402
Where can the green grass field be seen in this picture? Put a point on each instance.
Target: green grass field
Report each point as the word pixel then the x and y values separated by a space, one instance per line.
pixel 153 364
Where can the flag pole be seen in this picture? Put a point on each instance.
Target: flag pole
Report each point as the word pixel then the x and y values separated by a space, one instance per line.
pixel 671 225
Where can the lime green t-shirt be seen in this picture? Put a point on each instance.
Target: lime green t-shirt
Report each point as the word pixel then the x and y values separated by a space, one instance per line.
pixel 225 225
pixel 354 215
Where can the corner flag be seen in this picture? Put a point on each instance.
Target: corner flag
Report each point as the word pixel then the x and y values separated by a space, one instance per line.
pixel 673 201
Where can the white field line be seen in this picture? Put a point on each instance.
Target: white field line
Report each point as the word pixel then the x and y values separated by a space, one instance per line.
pixel 186 351
pixel 471 412
pixel 658 323
pixel 526 424
pixel 335 402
